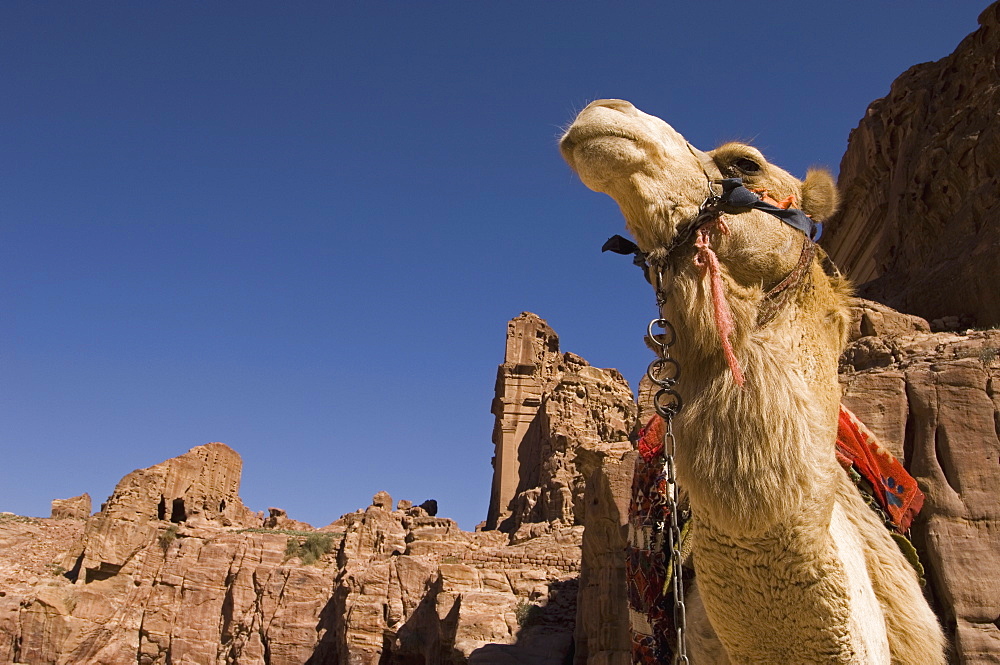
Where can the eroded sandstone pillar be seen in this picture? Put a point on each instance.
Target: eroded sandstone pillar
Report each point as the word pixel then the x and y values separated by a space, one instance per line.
pixel 530 360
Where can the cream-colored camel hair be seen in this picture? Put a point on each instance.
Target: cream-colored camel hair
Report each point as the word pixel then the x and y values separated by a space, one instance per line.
pixel 791 565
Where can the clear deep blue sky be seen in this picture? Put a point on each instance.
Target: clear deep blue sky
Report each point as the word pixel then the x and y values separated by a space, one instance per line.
pixel 300 228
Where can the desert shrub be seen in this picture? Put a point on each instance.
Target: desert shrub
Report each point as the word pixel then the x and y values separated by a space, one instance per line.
pixel 11 517
pixel 168 536
pixel 988 355
pixel 527 614
pixel 311 549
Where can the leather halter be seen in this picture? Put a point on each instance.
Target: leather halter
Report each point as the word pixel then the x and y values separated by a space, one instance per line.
pixel 737 199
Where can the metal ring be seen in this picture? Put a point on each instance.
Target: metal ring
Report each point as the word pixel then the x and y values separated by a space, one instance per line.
pixel 662 323
pixel 667 409
pixel 663 381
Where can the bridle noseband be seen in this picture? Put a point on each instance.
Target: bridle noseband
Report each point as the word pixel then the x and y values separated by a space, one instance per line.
pixel 734 199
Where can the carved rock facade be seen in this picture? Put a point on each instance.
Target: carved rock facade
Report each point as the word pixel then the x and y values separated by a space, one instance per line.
pixel 920 180
pixel 557 417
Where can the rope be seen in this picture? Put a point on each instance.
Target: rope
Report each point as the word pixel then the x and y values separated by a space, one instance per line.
pixel 708 261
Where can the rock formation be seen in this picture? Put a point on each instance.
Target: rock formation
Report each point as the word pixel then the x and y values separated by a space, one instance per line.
pixel 76 508
pixel 921 188
pixel 199 487
pixel 935 400
pixel 556 418
pixel 277 518
pixel 175 569
pixel 602 622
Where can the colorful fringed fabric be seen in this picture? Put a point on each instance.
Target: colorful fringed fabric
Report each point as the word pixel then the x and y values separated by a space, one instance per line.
pixel 649 599
pixel 650 605
pixel 895 489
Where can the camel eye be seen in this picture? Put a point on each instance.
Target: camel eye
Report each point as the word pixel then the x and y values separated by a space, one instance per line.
pixel 747 165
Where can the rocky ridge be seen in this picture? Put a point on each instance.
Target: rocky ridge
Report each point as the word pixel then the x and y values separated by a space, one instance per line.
pixel 175 569
pixel 557 417
pixel 920 184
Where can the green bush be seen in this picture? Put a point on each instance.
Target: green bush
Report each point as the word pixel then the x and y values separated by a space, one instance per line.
pixel 168 536
pixel 311 549
pixel 988 355
pixel 527 614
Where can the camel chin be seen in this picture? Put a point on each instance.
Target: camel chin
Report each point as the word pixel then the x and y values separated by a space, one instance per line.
pixel 602 159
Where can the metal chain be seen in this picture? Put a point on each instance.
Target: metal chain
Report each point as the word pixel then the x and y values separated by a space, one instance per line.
pixel 665 371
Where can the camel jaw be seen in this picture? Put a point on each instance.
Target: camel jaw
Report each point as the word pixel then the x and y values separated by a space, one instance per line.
pixel 657 178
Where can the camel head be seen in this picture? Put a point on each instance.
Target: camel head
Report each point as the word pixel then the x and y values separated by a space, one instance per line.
pixel 659 181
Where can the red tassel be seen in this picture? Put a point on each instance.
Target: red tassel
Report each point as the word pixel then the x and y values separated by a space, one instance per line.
pixel 709 262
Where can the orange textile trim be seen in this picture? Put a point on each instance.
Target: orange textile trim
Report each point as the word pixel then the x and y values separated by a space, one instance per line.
pixel 784 203
pixel 895 489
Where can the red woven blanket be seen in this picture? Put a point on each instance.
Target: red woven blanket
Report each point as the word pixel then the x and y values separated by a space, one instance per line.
pixel 895 489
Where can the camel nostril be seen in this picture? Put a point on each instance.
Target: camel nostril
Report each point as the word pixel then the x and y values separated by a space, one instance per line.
pixel 615 104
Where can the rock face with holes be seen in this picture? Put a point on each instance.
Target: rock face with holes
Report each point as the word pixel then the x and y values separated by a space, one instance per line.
pixel 199 487
pixel 174 569
pixel 557 417
pixel 920 181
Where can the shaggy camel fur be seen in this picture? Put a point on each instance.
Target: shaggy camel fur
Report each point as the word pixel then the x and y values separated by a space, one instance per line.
pixel 791 565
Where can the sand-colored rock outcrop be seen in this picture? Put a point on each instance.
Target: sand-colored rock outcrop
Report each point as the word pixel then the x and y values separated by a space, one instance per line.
pixel 199 487
pixel 556 419
pixel 214 583
pixel 920 183
pixel 75 508
pixel 419 589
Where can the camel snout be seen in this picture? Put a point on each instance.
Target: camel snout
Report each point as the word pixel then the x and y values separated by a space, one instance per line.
pixel 614 104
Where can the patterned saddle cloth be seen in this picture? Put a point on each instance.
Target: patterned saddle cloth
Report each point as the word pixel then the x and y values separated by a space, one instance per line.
pixel 887 486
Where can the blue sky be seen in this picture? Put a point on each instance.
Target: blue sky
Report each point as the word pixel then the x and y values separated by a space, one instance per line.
pixel 301 228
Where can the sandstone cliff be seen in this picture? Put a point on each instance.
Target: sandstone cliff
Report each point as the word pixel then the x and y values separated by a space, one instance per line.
pixel 174 569
pixel 920 218
pixel 935 400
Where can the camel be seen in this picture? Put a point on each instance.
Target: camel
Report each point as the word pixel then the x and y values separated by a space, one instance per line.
pixel 791 565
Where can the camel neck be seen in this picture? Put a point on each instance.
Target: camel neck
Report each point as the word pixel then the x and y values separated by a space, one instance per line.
pixel 756 455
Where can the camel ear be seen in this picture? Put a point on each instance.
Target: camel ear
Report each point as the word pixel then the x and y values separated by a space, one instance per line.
pixel 819 194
